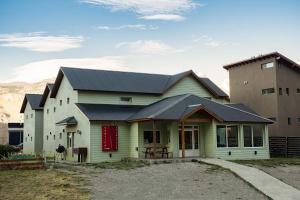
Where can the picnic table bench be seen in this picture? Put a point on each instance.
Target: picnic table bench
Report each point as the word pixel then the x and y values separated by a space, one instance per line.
pixel 160 149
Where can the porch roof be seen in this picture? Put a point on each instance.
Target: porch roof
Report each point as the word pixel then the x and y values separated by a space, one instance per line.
pixel 68 121
pixel 177 107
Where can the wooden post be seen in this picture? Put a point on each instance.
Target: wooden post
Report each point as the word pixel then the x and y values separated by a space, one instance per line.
pixel 154 139
pixel 182 140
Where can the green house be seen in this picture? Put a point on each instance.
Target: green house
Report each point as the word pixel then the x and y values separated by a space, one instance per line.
pixel 109 115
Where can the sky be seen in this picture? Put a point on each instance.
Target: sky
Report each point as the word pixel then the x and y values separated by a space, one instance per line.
pixel 152 36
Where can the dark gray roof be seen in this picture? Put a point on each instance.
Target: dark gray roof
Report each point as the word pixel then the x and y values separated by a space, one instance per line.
pixel 213 87
pixel 101 112
pixel 171 108
pixel 33 100
pixel 68 121
pixel 175 108
pixel 47 90
pixel 242 107
pixel 127 82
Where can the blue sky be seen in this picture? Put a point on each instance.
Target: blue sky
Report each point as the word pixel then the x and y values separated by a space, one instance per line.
pixel 161 36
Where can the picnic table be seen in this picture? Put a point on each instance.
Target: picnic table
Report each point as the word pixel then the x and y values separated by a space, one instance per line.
pixel 160 149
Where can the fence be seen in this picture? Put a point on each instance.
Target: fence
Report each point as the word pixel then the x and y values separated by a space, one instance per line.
pixel 284 146
pixel 29 163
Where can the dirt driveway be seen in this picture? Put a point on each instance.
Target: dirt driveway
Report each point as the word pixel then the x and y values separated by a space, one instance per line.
pixel 168 181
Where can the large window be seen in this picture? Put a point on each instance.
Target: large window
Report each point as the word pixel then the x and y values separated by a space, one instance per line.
pixel 148 137
pixel 253 135
pixel 227 136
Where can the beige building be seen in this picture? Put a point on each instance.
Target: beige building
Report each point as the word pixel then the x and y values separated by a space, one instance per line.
pixel 270 85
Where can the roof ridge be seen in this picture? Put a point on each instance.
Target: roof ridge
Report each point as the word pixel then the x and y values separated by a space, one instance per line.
pixel 170 105
pixel 248 112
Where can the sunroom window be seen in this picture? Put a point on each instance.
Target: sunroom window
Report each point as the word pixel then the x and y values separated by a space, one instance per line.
pixel 253 135
pixel 227 136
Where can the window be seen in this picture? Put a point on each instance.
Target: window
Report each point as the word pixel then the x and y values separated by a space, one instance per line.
pixel 267 65
pixel 221 136
pixel 30 138
pixel 47 137
pixel 232 136
pixel 68 100
pixel 60 135
pixel 253 135
pixel 53 137
pixel 289 121
pixel 248 136
pixel 126 99
pixel 298 91
pixel 148 137
pixel 60 102
pixel 31 115
pixel 268 91
pixel 47 111
pixel 227 136
pixel 54 109
pixel 287 91
pixel 280 91
pixel 109 138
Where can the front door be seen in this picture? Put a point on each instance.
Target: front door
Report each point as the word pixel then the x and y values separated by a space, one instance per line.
pixel 191 137
pixel 70 145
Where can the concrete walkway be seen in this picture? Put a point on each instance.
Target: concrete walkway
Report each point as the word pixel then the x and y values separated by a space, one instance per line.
pixel 265 183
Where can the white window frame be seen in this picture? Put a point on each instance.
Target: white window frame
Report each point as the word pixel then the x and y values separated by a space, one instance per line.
pixel 265 65
pixel 252 137
pixel 238 127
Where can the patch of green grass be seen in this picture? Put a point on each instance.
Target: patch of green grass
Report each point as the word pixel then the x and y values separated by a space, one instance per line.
pixel 273 162
pixel 125 164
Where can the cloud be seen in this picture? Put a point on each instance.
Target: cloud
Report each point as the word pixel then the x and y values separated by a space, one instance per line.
pixel 148 9
pixel 40 70
pixel 211 42
pixel 39 41
pixel 165 17
pixel 128 26
pixel 147 47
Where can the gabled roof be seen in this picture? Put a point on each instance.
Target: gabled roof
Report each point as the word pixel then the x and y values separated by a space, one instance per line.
pixel 127 82
pixel 279 57
pixel 33 100
pixel 174 108
pixel 177 107
pixel 46 92
pixel 69 121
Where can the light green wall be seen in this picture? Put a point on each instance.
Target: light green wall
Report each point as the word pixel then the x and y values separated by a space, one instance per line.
pixel 33 129
pixel 96 154
pixel 63 111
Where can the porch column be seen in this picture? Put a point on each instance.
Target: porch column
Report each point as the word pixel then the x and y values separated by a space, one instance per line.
pixel 182 140
pixel 154 138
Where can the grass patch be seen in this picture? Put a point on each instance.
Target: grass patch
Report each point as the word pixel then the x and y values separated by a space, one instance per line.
pixel 124 164
pixel 40 184
pixel 273 162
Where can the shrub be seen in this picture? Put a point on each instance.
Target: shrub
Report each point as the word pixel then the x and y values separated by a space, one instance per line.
pixel 6 150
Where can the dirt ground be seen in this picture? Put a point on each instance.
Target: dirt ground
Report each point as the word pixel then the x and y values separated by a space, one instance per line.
pixel 40 185
pixel 166 181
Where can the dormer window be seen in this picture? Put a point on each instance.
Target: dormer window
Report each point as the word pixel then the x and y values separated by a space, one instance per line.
pixel 126 99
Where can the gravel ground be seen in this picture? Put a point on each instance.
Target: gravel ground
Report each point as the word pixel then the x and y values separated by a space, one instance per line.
pixel 289 174
pixel 168 181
